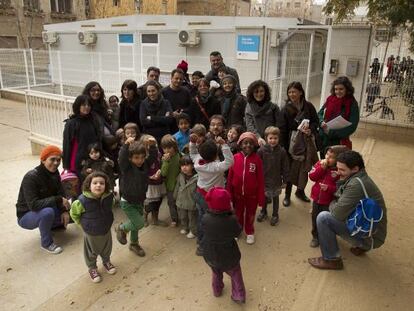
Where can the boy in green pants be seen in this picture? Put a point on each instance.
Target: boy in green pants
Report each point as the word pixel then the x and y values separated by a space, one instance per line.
pixel 134 166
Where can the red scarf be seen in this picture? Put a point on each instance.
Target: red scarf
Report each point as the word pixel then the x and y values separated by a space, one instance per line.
pixel 335 106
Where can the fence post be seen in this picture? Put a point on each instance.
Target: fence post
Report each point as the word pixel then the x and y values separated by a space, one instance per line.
pixel 1 79
pixel 26 69
pixel 33 70
pixel 60 72
pixel 308 73
pixel 100 67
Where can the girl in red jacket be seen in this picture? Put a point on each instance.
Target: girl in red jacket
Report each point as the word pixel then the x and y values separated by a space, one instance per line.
pixel 245 183
pixel 325 176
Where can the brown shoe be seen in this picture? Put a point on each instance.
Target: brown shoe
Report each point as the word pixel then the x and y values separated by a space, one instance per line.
pixel 121 235
pixel 137 249
pixel 357 251
pixel 332 264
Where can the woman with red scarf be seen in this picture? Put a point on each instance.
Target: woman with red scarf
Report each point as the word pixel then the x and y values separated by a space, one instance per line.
pixel 340 102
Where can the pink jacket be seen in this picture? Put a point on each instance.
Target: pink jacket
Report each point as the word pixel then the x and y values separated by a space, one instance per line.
pixel 246 178
pixel 328 176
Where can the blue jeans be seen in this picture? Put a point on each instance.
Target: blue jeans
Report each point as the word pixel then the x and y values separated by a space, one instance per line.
pixel 328 228
pixel 201 206
pixel 45 219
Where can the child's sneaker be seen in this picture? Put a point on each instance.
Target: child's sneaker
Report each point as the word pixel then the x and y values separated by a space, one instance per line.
pixel 137 249
pixel 190 235
pixel 94 274
pixel 173 224
pixel 183 231
pixel 109 267
pixel 262 216
pixel 274 220
pixel 250 239
pixel 121 235
pixel 53 249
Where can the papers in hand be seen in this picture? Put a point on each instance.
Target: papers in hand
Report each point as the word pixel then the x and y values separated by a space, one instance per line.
pixel 338 123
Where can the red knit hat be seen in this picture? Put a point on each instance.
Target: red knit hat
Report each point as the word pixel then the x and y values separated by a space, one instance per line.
pixel 248 135
pixel 183 66
pixel 49 151
pixel 218 199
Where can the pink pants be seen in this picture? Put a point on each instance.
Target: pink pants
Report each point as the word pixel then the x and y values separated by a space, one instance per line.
pixel 245 209
pixel 238 292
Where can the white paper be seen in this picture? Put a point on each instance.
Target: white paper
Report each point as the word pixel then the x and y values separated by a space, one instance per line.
pixel 338 123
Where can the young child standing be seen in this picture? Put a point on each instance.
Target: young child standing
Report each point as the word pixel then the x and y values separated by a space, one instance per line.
pixel 221 251
pixel 134 166
pixel 210 172
pixel 183 134
pixel 184 195
pixel 170 168
pixel 93 211
pixel 233 136
pixel 324 174
pixel 276 172
pixel 97 162
pixel 245 182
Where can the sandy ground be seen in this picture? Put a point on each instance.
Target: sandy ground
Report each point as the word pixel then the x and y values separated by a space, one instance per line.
pixel 171 277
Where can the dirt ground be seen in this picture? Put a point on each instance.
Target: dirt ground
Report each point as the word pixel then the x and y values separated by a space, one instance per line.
pixel 275 269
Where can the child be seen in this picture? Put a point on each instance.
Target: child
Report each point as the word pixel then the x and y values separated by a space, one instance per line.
pixel 156 189
pixel 233 135
pixel 183 134
pixel 170 168
pixel 325 176
pixel 114 111
pixel 134 166
pixel 93 211
pixel 184 196
pixel 276 171
pixel 97 162
pixel 221 251
pixel 210 172
pixel 245 183
pixel 200 131
pixel 130 130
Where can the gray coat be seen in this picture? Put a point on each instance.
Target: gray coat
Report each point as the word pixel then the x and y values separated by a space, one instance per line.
pixel 348 196
pixel 184 192
pixel 257 117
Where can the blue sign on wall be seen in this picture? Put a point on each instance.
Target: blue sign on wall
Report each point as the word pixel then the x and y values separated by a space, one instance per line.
pixel 248 47
pixel 126 38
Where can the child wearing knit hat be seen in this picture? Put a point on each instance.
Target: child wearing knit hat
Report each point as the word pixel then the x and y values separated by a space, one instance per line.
pixel 220 249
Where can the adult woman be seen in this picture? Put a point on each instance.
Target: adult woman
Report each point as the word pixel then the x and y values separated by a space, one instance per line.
pixel 260 111
pixel 81 129
pixel 233 104
pixel 204 105
pixel 341 102
pixel 41 202
pixel 96 96
pixel 156 113
pixel 130 103
pixel 292 114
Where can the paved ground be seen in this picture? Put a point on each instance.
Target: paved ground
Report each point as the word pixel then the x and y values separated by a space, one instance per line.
pixel 171 277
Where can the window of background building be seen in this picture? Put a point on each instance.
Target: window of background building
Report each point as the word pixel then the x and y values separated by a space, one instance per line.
pixel 288 5
pixel 297 5
pixel 31 5
pixel 116 2
pixel 61 6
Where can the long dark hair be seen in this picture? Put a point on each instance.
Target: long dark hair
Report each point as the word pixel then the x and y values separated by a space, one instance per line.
pixel 81 99
pixel 346 83
pixel 130 85
pixel 296 85
pixel 87 89
pixel 255 85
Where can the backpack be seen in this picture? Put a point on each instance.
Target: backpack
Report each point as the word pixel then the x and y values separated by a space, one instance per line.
pixel 363 221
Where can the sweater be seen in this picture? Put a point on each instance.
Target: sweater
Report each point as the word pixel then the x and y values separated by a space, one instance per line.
pixel 348 196
pixel 245 179
pixel 170 170
pixel 179 99
pixel 211 174
pixel 259 117
pixel 320 175
pixel 184 192
pixel 39 189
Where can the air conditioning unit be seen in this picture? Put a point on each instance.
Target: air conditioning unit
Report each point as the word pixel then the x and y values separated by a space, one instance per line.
pixel 87 37
pixel 50 37
pixel 189 37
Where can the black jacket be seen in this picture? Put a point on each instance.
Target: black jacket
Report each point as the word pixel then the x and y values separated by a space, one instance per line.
pixel 234 113
pixel 220 248
pixel 129 112
pixel 213 75
pixel 39 189
pixel 211 106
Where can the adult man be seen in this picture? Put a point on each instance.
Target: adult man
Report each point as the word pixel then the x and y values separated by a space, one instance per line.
pixel 216 61
pixel 330 224
pixel 153 74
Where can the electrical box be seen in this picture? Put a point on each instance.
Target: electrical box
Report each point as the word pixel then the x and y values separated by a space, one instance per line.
pixel 352 67
pixel 333 68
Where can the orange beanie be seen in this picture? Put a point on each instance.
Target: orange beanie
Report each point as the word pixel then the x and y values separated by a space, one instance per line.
pixel 49 151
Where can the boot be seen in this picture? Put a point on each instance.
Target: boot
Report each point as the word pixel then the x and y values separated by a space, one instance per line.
pixel 156 221
pixel 146 218
pixel 288 191
pixel 300 194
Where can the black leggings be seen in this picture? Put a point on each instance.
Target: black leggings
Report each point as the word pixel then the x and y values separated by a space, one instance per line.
pixel 275 205
pixel 153 206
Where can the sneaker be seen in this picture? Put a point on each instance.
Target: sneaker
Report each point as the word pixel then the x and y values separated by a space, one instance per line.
pixel 261 217
pixel 94 274
pixel 183 231
pixel 199 251
pixel 250 239
pixel 137 249
pixel 53 249
pixel 274 220
pixel 121 235
pixel 173 224
pixel 314 243
pixel 109 267
pixel 190 235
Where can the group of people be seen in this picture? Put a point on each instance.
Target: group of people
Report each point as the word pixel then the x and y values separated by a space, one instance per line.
pixel 215 155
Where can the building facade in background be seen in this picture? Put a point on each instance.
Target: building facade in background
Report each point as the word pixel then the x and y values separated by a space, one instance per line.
pixel 282 8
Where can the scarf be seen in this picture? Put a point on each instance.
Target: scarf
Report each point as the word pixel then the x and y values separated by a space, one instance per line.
pixel 335 106
pixel 228 97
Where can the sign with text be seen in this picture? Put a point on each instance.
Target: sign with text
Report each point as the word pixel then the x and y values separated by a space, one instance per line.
pixel 248 47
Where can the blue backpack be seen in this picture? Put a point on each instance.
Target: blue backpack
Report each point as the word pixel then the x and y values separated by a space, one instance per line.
pixel 363 221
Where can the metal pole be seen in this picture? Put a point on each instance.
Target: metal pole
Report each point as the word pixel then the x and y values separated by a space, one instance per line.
pixel 60 73
pixel 100 67
pixel 309 64
pixel 26 69
pixel 1 79
pixel 33 70
pixel 326 67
